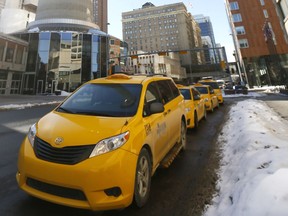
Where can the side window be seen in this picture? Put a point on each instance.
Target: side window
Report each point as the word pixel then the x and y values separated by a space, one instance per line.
pixel 151 96
pixel 211 90
pixel 165 91
pixel 196 95
pixel 174 88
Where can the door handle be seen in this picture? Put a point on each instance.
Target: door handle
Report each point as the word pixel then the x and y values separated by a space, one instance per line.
pixel 168 111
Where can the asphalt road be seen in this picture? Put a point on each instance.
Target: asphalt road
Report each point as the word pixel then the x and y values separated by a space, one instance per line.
pixel 182 189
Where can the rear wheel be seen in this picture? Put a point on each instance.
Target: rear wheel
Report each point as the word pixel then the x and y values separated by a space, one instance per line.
pixel 212 107
pixel 195 121
pixel 205 114
pixel 183 135
pixel 142 179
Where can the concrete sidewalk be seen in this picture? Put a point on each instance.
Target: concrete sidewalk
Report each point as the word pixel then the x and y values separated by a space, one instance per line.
pixel 6 100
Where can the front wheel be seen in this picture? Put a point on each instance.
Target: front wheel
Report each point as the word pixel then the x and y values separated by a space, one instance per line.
pixel 142 179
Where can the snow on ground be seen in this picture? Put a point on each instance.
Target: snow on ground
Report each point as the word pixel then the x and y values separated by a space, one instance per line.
pixel 25 105
pixel 253 172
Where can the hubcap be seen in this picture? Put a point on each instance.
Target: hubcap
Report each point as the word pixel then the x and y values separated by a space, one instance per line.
pixel 183 136
pixel 143 176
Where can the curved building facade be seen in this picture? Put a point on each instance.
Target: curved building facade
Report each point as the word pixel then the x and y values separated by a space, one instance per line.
pixel 66 49
pixel 72 15
pixel 63 60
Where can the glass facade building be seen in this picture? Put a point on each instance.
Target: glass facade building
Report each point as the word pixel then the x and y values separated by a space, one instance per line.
pixel 63 60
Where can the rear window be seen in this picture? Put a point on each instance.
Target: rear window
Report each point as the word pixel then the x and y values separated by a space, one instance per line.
pixel 202 90
pixel 186 94
pixel 214 85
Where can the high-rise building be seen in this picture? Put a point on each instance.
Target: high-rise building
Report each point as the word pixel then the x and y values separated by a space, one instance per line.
pixel 160 28
pixel 206 27
pixel 16 14
pixel 260 46
pixel 100 14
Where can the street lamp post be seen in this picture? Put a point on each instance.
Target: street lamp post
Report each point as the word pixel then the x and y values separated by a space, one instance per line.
pixel 238 66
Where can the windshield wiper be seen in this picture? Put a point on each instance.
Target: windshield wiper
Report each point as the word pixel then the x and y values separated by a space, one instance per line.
pixel 61 109
pixel 94 113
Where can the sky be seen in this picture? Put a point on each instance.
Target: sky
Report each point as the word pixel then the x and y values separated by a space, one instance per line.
pixel 215 9
pixel 253 172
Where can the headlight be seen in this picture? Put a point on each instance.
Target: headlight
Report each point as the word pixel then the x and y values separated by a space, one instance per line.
pixel 110 144
pixel 31 134
pixel 206 99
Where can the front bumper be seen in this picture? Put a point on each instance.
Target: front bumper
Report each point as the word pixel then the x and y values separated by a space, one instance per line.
pixel 94 179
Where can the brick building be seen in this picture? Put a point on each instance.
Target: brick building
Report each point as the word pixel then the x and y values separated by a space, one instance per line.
pixel 260 43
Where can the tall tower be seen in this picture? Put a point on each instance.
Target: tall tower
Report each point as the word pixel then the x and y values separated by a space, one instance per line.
pixel 73 15
pixel 100 14
pixel 207 33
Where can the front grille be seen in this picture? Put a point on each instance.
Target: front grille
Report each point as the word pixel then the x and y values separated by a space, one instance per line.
pixel 67 155
pixel 56 190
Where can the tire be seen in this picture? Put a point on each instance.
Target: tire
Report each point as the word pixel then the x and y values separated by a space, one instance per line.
pixel 212 107
pixel 183 136
pixel 205 114
pixel 142 179
pixel 196 123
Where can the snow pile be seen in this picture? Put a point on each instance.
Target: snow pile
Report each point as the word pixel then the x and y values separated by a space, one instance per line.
pixel 26 105
pixel 254 170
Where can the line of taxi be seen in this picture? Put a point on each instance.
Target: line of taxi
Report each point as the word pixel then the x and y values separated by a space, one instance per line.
pixel 199 98
pixel 100 147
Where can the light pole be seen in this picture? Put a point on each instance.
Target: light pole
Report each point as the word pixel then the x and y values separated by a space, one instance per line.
pixel 238 66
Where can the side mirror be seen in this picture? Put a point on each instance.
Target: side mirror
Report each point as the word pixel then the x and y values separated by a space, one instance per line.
pixel 156 108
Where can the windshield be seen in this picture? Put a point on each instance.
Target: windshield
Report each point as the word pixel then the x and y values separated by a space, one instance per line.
pixel 202 90
pixel 214 85
pixel 186 94
pixel 115 100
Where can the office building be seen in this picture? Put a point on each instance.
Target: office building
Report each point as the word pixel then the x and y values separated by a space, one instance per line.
pixel 206 27
pixel 260 45
pixel 160 28
pixel 65 47
pixel 13 56
pixel 15 15
pixel 100 14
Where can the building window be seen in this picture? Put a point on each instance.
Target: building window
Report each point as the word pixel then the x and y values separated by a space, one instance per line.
pixel 237 17
pixel 262 2
pixel 240 30
pixel 243 43
pixel 234 6
pixel 284 7
pixel 265 13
